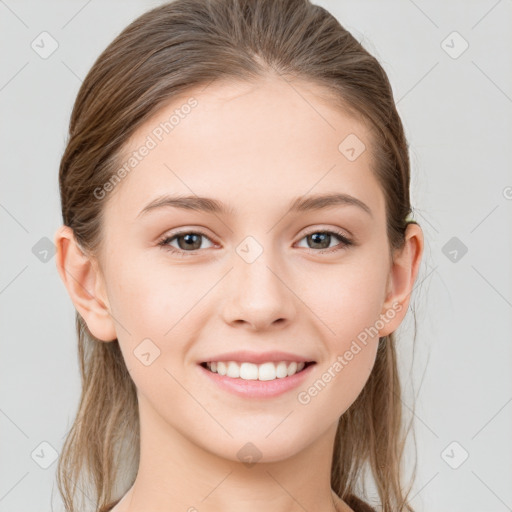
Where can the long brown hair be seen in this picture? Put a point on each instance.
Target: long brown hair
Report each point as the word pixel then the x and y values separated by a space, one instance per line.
pixel 168 51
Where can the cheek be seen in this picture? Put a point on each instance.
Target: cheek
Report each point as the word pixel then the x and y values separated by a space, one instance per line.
pixel 152 299
pixel 156 311
pixel 348 297
pixel 150 308
pixel 349 308
pixel 348 300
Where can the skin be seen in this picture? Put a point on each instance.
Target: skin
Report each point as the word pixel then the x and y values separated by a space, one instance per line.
pixel 254 147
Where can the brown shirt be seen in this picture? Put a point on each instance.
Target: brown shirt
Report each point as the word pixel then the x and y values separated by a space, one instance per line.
pixel 357 505
pixel 109 507
pixel 352 501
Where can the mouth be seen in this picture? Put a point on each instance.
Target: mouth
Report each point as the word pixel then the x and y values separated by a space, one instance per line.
pixel 262 372
pixel 257 381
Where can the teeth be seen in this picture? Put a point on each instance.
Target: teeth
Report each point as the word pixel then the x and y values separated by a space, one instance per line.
pixel 250 371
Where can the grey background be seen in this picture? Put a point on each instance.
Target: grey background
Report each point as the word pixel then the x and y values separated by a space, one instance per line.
pixel 457 112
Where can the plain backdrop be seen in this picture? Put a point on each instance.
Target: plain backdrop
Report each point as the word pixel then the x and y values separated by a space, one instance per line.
pixel 450 67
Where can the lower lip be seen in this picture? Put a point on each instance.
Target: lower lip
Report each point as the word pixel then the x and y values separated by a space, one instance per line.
pixel 258 388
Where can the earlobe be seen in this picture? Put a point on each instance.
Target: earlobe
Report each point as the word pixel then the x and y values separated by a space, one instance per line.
pixel 84 283
pixel 402 277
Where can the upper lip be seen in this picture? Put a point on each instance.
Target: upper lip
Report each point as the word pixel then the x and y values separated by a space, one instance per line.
pixel 244 356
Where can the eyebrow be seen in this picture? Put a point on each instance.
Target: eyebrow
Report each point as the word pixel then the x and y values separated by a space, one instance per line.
pixel 209 205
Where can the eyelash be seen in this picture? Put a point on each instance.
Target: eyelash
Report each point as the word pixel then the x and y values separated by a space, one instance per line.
pixel 165 241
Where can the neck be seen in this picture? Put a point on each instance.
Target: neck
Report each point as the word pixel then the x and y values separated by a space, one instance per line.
pixel 175 475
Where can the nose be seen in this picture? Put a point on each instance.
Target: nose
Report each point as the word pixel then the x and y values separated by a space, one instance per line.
pixel 259 295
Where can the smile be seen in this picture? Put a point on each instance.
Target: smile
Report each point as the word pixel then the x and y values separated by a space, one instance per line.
pixel 251 371
pixel 249 380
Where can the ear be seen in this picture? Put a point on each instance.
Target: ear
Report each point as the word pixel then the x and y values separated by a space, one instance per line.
pixel 84 281
pixel 401 279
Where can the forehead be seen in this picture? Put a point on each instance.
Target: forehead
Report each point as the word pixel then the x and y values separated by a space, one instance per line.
pixel 271 139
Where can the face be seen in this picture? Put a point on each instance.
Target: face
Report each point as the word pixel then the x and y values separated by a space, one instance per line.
pixel 185 285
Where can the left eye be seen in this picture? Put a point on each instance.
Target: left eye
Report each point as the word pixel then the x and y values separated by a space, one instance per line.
pixel 190 241
pixel 314 238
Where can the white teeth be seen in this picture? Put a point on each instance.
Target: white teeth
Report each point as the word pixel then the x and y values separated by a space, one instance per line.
pixel 266 371
pixel 250 371
pixel 281 370
pixel 233 370
pixel 222 369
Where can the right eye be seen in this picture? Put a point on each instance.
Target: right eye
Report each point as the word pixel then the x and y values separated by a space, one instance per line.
pixel 192 241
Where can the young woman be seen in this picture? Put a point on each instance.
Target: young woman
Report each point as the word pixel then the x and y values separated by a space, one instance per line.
pixel 237 243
